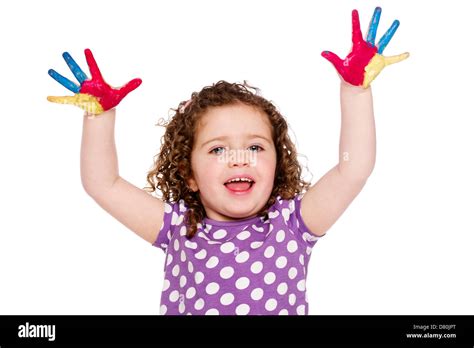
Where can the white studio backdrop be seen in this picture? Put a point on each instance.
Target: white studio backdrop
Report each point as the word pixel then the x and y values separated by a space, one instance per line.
pixel 404 246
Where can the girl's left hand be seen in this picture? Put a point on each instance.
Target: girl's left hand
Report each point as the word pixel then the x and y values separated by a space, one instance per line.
pixel 365 61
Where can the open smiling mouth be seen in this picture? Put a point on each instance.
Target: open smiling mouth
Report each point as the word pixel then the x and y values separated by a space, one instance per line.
pixel 239 185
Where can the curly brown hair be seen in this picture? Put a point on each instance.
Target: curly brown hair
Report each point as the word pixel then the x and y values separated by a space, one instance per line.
pixel 172 166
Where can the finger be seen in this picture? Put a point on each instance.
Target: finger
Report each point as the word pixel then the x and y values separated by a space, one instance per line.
pixel 93 67
pixel 86 102
pixel 374 23
pixel 64 81
pixel 356 34
pixel 395 59
pixel 130 86
pixel 383 42
pixel 334 59
pixel 76 70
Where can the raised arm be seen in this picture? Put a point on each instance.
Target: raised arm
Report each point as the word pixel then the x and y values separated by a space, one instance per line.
pixel 324 202
pixel 133 207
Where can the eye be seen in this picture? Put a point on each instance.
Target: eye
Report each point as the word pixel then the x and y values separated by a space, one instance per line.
pixel 216 150
pixel 254 147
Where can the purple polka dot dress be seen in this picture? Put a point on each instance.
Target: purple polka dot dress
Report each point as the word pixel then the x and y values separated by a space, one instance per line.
pixel 243 267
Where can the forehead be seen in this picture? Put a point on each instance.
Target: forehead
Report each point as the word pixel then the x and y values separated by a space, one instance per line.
pixel 233 120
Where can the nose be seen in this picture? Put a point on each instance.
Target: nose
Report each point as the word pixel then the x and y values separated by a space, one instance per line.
pixel 238 158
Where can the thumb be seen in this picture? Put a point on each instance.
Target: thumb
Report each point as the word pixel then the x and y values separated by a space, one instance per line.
pixel 335 60
pixel 130 86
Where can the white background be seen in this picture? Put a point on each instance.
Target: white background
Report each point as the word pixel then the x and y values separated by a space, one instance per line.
pixel 403 247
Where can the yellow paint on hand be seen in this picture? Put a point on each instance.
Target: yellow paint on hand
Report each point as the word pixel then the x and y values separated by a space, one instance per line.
pixel 376 65
pixel 86 102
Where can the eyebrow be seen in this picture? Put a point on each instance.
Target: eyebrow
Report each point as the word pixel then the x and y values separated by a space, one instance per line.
pixel 249 136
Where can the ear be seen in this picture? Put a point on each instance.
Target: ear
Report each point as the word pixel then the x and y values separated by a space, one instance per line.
pixel 193 185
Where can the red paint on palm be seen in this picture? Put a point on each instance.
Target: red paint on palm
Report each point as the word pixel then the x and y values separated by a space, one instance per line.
pixel 352 68
pixel 107 96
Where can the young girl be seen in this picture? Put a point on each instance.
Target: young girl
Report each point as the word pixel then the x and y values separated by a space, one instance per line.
pixel 236 220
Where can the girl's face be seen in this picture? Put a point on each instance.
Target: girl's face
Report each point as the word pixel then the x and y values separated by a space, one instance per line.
pixel 233 141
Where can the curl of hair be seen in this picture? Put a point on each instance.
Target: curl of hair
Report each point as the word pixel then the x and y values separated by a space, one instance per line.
pixel 172 166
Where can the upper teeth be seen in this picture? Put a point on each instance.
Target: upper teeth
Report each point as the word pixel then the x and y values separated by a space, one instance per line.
pixel 240 179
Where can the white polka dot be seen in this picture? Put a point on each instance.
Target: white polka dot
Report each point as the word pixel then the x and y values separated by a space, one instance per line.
pixel 285 212
pixel 227 272
pixel 292 299
pixel 273 214
pixel 258 229
pixel 190 245
pixel 271 228
pixel 166 284
pixel 256 267
pixel 256 294
pixel 167 210
pixel 227 299
pixel 292 272
pixel 175 270
pixel 292 205
pixel 174 295
pixel 183 256
pixel 181 307
pixel 182 281
pixel 281 262
pixel 199 304
pixel 309 237
pixel 300 309
pixel 280 236
pixel 242 257
pixel 219 234
pixel 163 309
pixel 269 252
pixel 202 235
pixel 243 235
pixel 269 278
pixel 301 285
pixel 190 292
pixel 212 288
pixel 198 277
pixel 212 311
pixel 174 219
pixel 302 260
pixel 308 250
pixel 227 247
pixel 292 246
pixel 256 245
pixel 201 255
pixel 182 231
pixel 169 259
pixel 271 304
pixel 283 312
pixel 242 309
pixel 242 283
pixel 282 288
pixel 190 267
pixel 212 262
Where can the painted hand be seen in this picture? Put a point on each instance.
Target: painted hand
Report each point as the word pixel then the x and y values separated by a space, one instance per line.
pixel 365 61
pixel 92 95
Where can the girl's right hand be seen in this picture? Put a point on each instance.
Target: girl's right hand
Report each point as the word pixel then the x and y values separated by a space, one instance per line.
pixel 92 95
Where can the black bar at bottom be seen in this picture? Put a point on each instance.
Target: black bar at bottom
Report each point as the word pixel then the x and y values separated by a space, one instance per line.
pixel 133 331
